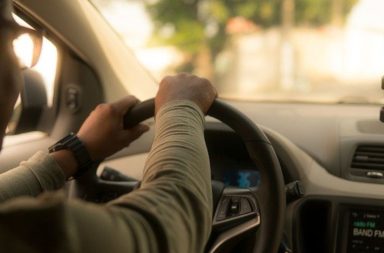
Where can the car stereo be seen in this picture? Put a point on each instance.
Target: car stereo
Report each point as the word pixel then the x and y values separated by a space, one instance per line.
pixel 365 231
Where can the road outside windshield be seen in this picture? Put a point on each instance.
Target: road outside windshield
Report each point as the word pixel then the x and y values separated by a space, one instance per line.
pixel 289 50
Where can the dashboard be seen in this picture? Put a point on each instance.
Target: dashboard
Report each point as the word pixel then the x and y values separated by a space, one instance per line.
pixel 340 212
pixel 342 208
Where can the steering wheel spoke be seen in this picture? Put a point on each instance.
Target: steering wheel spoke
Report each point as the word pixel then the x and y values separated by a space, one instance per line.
pixel 236 206
pixel 236 214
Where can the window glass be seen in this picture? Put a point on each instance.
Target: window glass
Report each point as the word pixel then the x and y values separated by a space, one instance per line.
pixel 286 50
pixel 46 67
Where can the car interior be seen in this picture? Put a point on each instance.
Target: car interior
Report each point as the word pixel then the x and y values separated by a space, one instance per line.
pixel 295 140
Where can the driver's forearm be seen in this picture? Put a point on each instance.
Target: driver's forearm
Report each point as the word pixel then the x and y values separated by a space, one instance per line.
pixel 175 194
pixel 37 174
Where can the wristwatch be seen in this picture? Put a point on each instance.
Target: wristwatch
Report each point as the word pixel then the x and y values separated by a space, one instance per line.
pixel 73 143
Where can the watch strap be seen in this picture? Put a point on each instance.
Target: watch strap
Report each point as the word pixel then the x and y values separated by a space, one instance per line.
pixel 73 143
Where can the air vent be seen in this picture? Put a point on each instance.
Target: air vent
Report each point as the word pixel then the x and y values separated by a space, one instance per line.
pixel 368 157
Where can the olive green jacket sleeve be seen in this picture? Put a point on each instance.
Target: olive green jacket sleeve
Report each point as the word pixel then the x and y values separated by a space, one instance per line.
pixel 171 212
pixel 40 173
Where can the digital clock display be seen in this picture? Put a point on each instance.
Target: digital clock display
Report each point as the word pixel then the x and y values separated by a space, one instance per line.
pixel 366 231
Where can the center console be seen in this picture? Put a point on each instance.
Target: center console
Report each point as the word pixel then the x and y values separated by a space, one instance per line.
pixel 363 229
pixel 337 225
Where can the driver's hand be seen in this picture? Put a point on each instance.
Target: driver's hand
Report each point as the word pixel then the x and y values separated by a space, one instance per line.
pixel 103 132
pixel 186 87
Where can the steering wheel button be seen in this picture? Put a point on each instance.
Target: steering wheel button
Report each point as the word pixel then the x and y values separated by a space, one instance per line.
pixel 245 206
pixel 222 213
pixel 234 206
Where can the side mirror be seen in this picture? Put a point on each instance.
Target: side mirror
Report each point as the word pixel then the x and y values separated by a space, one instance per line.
pixel 27 46
pixel 33 96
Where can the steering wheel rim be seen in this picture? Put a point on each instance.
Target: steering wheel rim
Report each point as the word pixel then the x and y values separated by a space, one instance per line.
pixel 270 193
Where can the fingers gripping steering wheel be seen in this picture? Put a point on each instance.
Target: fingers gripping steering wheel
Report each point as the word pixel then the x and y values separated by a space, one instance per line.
pixel 256 210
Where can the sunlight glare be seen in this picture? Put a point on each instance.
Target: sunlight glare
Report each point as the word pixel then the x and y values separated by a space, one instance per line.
pixel 24 48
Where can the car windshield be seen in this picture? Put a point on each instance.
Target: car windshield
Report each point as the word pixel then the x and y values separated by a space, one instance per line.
pixel 270 50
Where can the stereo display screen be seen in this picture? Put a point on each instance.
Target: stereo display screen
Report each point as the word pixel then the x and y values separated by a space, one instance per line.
pixel 366 231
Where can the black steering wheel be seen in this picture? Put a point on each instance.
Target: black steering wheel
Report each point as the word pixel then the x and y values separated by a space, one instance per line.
pixel 238 211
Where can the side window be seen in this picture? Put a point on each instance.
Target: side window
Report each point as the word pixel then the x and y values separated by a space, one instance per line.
pixel 38 88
